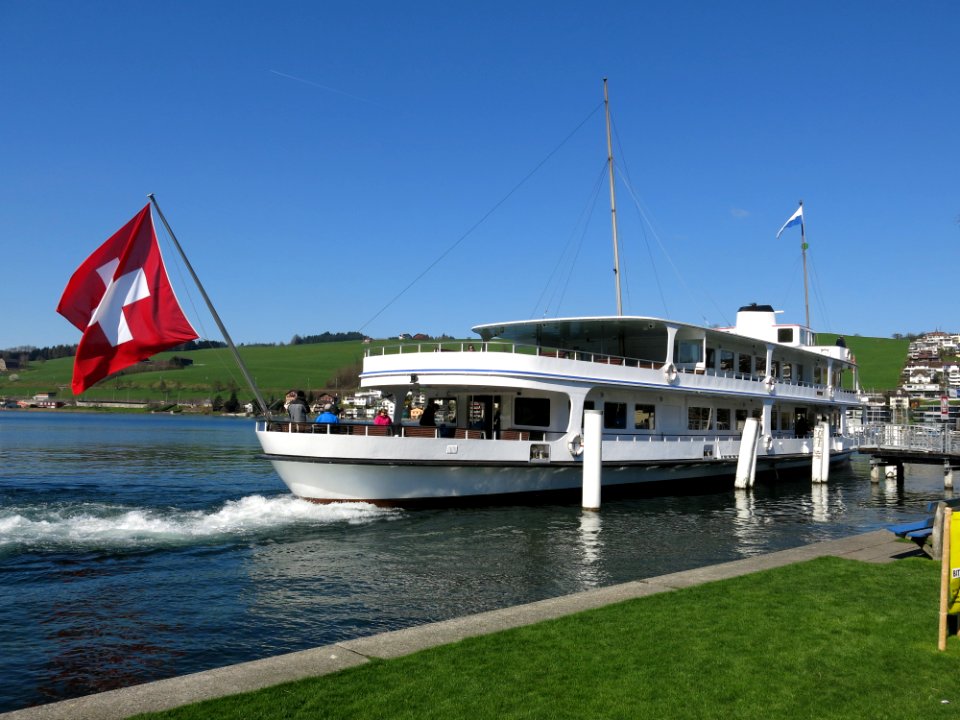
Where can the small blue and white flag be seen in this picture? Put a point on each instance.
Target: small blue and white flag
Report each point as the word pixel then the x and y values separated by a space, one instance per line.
pixel 795 219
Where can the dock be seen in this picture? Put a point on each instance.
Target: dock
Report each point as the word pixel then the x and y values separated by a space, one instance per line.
pixel 892 446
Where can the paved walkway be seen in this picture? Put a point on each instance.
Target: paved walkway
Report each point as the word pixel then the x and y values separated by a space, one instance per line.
pixel 877 546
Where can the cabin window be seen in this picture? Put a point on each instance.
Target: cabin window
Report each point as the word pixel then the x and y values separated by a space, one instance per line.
pixel 785 335
pixel 689 351
pixel 741 416
pixel 723 419
pixel 644 417
pixel 787 372
pixel 818 375
pixel 760 363
pixel 745 363
pixel 698 418
pixel 785 422
pixel 775 369
pixel 615 416
pixel 799 373
pixel 726 360
pixel 711 358
pixel 531 411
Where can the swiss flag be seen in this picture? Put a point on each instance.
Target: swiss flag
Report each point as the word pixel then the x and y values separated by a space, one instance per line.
pixel 121 299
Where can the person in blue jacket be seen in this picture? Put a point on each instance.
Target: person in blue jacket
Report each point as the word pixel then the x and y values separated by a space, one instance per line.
pixel 328 416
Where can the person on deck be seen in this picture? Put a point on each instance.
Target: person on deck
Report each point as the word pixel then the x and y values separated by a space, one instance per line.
pixel 428 419
pixel 296 405
pixel 328 416
pixel 382 418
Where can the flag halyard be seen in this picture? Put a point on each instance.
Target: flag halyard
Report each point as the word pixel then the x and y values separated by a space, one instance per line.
pixel 122 300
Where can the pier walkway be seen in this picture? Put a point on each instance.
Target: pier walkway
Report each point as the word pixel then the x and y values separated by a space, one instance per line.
pixel 878 546
pixel 895 445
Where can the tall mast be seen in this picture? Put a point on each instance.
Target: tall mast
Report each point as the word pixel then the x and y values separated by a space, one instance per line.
pixel 613 201
pixel 803 249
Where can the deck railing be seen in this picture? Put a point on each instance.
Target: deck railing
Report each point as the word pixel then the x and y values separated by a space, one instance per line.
pixel 584 356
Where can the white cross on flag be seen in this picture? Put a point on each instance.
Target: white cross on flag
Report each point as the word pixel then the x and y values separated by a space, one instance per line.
pixel 121 299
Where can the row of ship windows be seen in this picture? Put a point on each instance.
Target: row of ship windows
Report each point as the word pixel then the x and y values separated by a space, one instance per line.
pixel 535 412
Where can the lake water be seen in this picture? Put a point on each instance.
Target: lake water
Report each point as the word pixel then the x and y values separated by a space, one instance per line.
pixel 138 547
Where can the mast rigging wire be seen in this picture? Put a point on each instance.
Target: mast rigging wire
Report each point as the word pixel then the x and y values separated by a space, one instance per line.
pixel 483 218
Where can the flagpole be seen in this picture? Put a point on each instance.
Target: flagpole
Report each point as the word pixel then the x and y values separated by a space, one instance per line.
pixel 216 317
pixel 803 248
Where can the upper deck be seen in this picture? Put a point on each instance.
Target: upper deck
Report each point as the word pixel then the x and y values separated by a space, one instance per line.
pixel 517 365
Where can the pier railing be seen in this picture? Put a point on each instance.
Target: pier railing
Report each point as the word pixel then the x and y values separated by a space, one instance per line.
pixel 911 438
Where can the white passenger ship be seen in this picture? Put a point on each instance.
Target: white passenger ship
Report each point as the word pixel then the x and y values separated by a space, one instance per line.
pixel 509 408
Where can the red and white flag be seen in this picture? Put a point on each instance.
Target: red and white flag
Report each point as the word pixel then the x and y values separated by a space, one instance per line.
pixel 121 299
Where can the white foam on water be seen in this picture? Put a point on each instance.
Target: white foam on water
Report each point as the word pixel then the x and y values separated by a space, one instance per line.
pixel 102 526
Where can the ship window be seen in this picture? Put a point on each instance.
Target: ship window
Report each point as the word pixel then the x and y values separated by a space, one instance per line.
pixel 745 363
pixel 785 421
pixel 723 418
pixel 644 417
pixel 689 351
pixel 615 415
pixel 760 363
pixel 698 418
pixel 726 360
pixel 787 372
pixel 531 411
pixel 741 416
pixel 785 335
pixel 711 358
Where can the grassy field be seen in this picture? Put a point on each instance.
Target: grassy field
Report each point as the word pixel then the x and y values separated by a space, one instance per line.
pixel 880 359
pixel 213 372
pixel 319 367
pixel 829 638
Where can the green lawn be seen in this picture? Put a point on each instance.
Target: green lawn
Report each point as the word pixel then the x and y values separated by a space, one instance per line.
pixel 828 638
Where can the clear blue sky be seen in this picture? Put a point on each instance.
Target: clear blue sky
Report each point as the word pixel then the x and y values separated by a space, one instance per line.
pixel 315 158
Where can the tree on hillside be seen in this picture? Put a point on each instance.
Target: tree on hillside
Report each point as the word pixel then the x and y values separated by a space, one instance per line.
pixel 232 404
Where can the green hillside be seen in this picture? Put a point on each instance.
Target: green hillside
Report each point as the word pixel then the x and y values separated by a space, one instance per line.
pixel 880 359
pixel 317 368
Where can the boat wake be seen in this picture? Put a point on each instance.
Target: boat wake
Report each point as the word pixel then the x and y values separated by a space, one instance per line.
pixel 87 526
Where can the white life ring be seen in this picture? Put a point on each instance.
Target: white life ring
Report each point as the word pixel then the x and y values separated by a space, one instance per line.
pixel 670 373
pixel 575 445
pixel 768 442
pixel 770 383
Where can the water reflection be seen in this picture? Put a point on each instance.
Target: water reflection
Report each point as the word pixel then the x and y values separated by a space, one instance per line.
pixel 591 545
pixel 820 502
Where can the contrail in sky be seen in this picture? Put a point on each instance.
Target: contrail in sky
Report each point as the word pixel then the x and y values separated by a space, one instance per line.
pixel 327 88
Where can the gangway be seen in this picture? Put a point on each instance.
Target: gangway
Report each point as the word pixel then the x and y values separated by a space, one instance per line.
pixel 895 445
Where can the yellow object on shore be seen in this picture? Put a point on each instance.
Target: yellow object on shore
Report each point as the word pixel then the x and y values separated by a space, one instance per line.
pixel 953 607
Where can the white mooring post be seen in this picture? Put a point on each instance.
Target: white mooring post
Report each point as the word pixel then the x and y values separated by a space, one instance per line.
pixel 947 475
pixel 747 461
pixel 821 452
pixel 592 458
